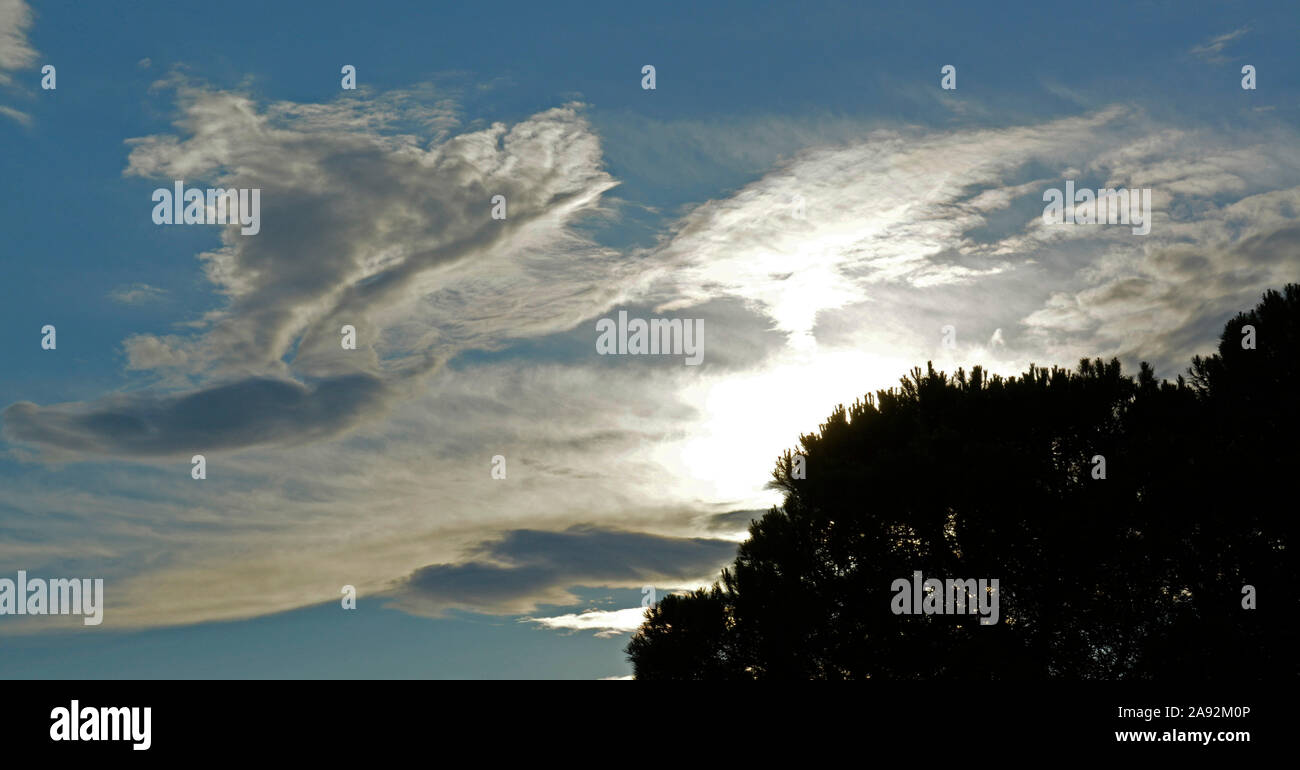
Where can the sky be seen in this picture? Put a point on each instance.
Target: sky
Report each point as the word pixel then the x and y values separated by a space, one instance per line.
pixel 798 183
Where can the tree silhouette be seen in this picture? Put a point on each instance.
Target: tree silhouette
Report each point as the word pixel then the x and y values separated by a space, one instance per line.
pixel 1139 574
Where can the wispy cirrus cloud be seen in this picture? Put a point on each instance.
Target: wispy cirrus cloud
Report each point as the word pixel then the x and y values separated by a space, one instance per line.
pixel 16 52
pixel 1211 50
pixel 137 294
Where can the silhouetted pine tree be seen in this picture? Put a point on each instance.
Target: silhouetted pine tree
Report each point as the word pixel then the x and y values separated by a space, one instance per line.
pixel 1138 575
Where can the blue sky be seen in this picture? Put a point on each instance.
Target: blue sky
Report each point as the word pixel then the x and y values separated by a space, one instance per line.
pixel 922 210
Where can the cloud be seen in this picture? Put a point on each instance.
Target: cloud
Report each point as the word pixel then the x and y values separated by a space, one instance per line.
pixel 622 471
pixel 878 243
pixel 259 410
pixel 623 449
pixel 606 623
pixel 1211 50
pixel 734 522
pixel 838 224
pixel 16 53
pixel 16 115
pixel 868 245
pixel 360 226
pixel 526 568
pixel 137 294
pixel 1224 231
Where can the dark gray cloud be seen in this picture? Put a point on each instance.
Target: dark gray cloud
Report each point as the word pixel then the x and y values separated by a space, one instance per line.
pixel 734 522
pixel 258 410
pixel 526 568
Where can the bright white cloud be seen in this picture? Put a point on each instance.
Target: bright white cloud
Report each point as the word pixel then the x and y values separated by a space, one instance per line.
pixel 606 623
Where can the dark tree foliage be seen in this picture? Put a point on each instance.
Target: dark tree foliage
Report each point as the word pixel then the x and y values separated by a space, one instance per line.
pixel 1135 576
